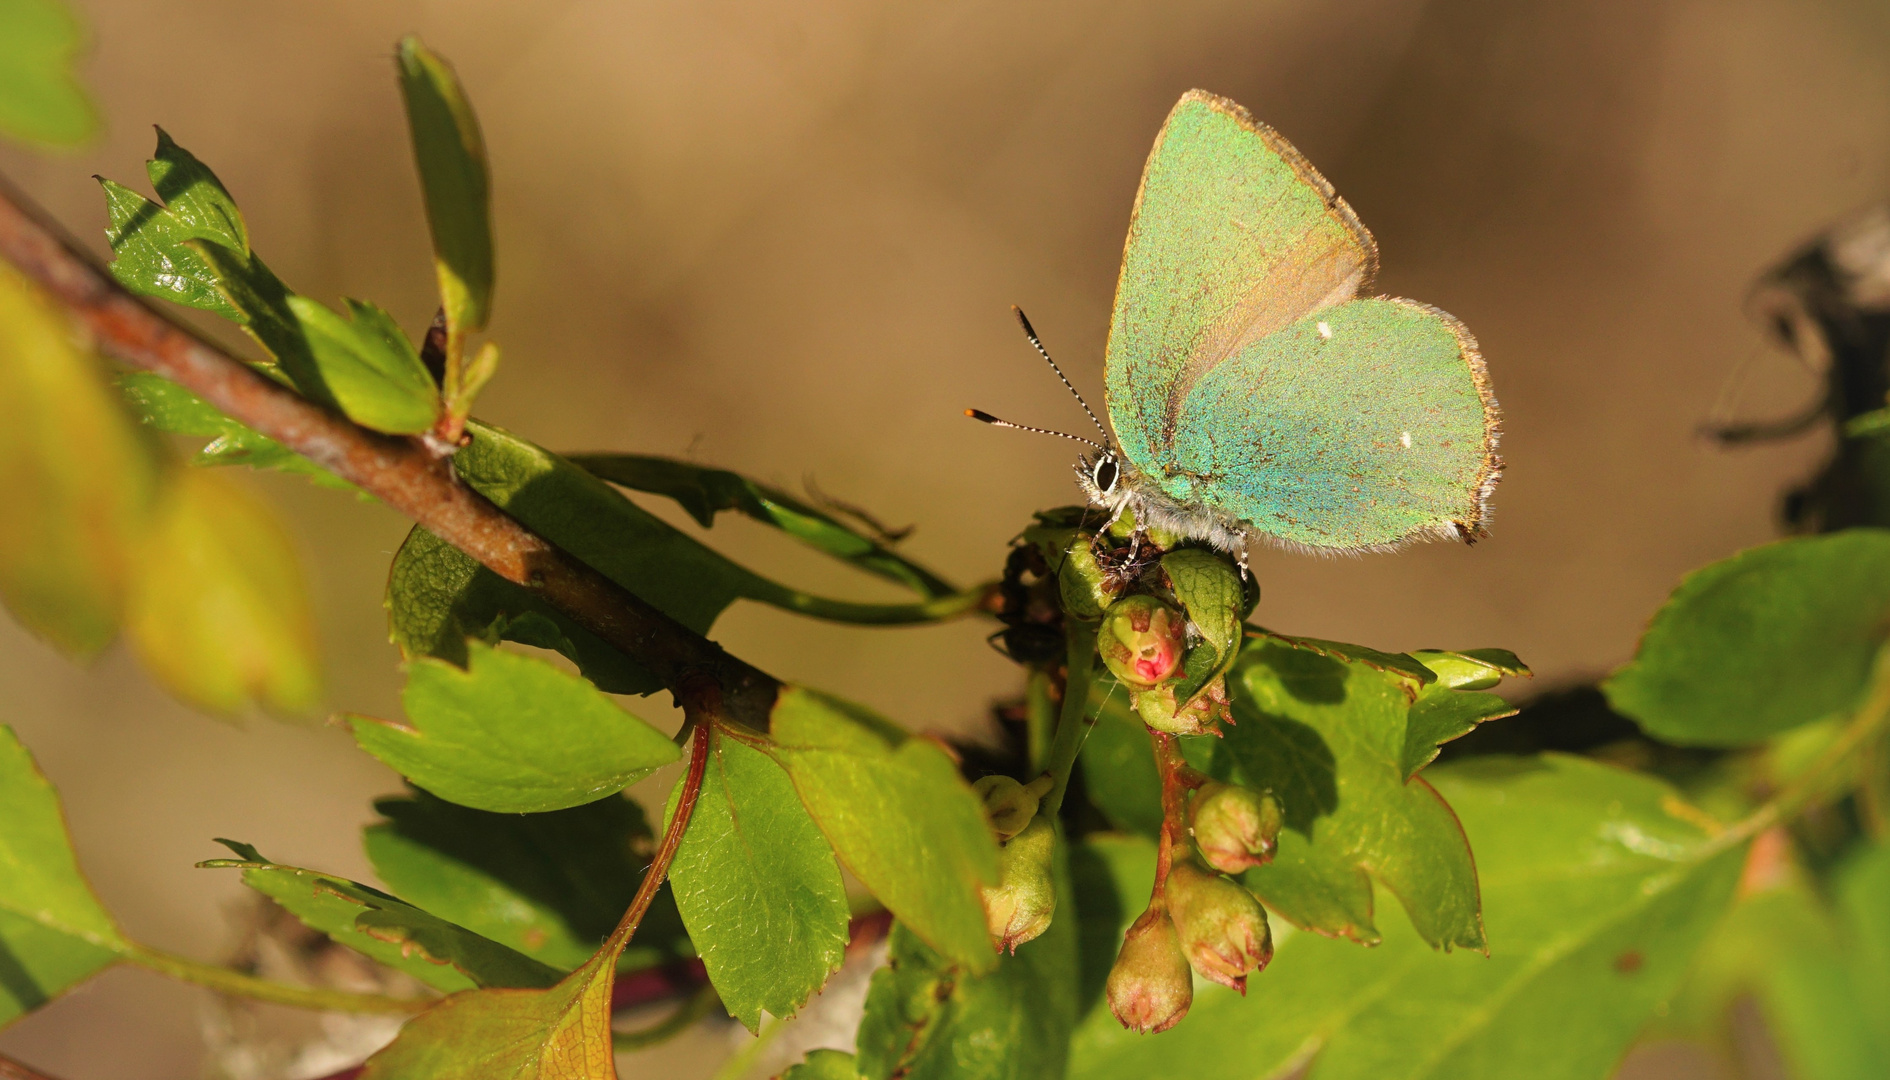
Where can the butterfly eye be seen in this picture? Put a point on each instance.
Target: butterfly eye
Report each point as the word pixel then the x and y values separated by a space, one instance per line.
pixel 1106 475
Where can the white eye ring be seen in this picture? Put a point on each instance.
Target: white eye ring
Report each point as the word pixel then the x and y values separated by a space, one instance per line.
pixel 1106 474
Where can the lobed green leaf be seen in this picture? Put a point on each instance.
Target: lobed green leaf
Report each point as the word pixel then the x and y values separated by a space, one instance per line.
pixel 898 815
pixel 758 887
pixel 369 367
pixel 166 406
pixel 152 258
pixel 1772 638
pixel 1600 886
pixel 194 198
pixel 439 953
pixel 53 931
pixel 512 733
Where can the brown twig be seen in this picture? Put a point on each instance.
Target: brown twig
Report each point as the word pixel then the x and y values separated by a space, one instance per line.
pixel 13 1070
pixel 407 474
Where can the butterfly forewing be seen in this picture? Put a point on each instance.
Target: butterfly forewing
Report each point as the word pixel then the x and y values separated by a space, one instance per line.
pixel 1234 236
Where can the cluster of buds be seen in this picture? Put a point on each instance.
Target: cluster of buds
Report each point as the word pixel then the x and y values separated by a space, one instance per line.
pixel 1020 906
pixel 1199 923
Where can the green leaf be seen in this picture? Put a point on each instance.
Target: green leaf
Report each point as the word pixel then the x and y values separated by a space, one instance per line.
pixel 438 597
pixel 76 478
pixel 41 100
pixel 1774 637
pixel 1328 737
pixel 166 406
pixel 512 733
pixel 929 1019
pixel 1210 590
pixel 369 366
pixel 1600 887
pixel 441 954
pixel 451 155
pixel 758 887
pixel 195 198
pixel 218 610
pixel 1450 707
pixel 705 492
pixel 898 815
pixel 562 1033
pixel 152 258
pixel 550 885
pixel 53 931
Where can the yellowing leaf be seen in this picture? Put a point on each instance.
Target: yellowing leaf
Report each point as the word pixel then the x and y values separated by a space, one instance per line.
pixel 75 478
pixel 217 608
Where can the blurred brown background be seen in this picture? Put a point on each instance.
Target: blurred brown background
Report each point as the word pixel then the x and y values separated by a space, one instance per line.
pixel 782 239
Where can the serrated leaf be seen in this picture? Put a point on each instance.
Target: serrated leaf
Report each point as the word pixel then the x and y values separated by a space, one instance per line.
pixel 166 406
pixel 195 198
pixel 562 1033
pixel 1598 896
pixel 1210 591
pixel 929 1019
pixel 758 887
pixel 1328 737
pixel 76 479
pixel 706 492
pixel 439 953
pixel 550 885
pixel 1451 707
pixel 512 733
pixel 897 814
pixel 369 366
pixel 53 931
pixel 218 610
pixel 152 258
pixel 1774 637
pixel 41 100
pixel 451 155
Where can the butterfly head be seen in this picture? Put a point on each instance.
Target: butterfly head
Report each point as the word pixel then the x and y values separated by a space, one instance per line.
pixel 1101 477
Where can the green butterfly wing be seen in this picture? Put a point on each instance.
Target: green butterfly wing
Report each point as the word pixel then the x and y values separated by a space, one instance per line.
pixel 1222 388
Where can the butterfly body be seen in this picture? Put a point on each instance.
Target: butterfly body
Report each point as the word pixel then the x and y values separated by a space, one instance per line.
pixel 1255 397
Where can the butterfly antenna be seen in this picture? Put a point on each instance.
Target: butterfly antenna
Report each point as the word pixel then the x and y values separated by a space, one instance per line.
pixel 1031 333
pixel 985 417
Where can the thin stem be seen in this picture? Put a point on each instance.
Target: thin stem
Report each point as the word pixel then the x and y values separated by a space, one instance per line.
pixel 227 981
pixel 702 700
pixel 405 473
pixel 1040 717
pixel 679 1020
pixel 1074 723
pixel 1177 779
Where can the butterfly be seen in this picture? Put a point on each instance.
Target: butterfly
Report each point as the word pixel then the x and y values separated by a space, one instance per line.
pixel 1255 396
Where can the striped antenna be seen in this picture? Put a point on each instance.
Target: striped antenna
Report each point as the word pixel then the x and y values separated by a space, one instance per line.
pixel 981 415
pixel 1031 333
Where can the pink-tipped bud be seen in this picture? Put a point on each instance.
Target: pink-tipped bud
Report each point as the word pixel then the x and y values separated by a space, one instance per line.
pixel 1021 904
pixel 1143 641
pixel 1150 987
pixel 1222 928
pixel 1234 828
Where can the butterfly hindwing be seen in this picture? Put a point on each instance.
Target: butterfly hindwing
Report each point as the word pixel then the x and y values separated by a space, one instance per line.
pixel 1234 236
pixel 1377 429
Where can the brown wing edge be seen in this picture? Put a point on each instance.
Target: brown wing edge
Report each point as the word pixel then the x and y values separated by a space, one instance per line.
pixel 1476 524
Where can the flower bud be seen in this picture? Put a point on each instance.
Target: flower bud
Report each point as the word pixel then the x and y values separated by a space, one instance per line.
pixel 1082 586
pixel 1222 928
pixel 1009 804
pixel 1234 828
pixel 1150 987
pixel 1201 716
pixel 1143 641
pixel 1020 905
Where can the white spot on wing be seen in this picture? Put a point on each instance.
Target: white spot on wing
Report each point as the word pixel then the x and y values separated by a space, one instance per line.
pixel 1406 440
pixel 1325 330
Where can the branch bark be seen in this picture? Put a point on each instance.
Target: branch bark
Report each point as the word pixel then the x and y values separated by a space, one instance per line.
pixel 405 473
